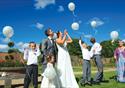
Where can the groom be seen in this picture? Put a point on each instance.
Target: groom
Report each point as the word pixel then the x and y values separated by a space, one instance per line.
pixel 48 47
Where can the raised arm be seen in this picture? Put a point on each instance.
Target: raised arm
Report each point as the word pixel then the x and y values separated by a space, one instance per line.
pixel 69 40
pixel 62 40
pixel 80 43
pixel 26 53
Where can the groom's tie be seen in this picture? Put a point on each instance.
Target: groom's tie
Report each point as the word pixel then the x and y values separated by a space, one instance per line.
pixel 55 47
pixel 52 41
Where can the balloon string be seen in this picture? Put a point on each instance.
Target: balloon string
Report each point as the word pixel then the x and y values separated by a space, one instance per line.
pixel 74 14
pixel 73 19
pixel 96 31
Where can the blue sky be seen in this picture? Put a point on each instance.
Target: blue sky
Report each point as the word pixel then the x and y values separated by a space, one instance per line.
pixel 29 18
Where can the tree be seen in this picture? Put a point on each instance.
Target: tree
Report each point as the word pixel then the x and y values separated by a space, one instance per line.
pixel 74 48
pixel 14 50
pixel 11 44
pixel 108 48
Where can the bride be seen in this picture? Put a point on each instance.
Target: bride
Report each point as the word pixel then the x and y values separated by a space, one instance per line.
pixel 65 70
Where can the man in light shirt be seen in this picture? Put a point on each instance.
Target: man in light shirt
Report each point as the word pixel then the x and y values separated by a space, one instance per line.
pixel 31 56
pixel 96 48
pixel 86 54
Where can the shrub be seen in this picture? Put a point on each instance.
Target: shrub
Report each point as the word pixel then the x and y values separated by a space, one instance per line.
pixel 10 63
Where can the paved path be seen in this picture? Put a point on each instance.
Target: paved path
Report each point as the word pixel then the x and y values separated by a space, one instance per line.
pixel 106 70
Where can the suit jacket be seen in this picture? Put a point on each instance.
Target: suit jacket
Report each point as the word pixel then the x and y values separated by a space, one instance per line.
pixel 47 47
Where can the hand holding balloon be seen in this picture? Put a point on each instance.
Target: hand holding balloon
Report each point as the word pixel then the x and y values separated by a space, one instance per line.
pixel 65 32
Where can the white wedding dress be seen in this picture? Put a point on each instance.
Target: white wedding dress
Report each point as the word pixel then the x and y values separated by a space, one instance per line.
pixel 50 78
pixel 65 70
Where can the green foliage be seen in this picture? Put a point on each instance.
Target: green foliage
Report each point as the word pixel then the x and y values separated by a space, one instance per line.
pixel 13 50
pixel 9 57
pixel 11 63
pixel 39 59
pixel 74 48
pixel 108 48
pixel 11 60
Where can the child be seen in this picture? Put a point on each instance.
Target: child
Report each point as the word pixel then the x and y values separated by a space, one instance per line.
pixel 86 64
pixel 31 55
pixel 50 79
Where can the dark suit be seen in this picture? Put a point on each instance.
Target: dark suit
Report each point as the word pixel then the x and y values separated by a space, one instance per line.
pixel 48 47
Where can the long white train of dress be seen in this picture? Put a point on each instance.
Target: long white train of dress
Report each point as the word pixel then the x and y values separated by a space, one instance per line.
pixel 65 70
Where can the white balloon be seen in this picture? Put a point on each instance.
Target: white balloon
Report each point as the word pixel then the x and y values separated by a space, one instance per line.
pixel 114 35
pixel 8 31
pixel 71 6
pixel 54 36
pixel 75 26
pixel 93 23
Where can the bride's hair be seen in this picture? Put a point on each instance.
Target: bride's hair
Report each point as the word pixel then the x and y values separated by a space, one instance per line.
pixel 58 34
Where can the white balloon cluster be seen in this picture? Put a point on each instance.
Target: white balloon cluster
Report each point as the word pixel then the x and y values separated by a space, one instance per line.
pixel 74 25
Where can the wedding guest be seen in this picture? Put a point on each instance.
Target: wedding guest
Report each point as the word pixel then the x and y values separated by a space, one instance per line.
pixel 50 78
pixel 96 49
pixel 86 54
pixel 31 56
pixel 119 56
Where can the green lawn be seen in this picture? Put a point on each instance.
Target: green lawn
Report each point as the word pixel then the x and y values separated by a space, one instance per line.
pixel 112 83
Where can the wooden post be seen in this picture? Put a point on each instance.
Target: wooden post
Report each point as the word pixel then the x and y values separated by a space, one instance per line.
pixel 7 83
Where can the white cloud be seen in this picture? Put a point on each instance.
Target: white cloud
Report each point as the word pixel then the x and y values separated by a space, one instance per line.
pixel 60 9
pixel 3 47
pixel 21 46
pixel 39 25
pixel 5 40
pixel 41 4
pixel 87 35
pixel 123 40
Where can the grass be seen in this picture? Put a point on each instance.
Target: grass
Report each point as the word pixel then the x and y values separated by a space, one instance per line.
pixel 112 83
